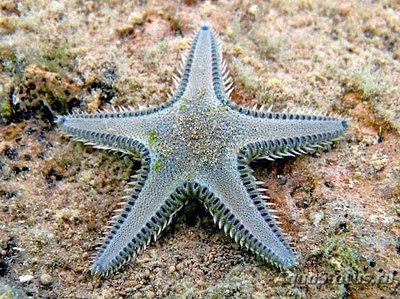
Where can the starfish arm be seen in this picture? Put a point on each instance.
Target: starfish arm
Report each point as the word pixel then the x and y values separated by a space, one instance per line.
pixel 154 198
pixel 118 131
pixel 202 69
pixel 276 135
pixel 238 207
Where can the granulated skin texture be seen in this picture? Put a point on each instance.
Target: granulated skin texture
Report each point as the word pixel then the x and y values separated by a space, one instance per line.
pixel 339 209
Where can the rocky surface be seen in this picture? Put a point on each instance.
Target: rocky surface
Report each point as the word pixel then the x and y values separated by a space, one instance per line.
pixel 340 209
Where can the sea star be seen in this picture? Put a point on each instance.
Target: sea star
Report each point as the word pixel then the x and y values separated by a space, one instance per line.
pixel 199 145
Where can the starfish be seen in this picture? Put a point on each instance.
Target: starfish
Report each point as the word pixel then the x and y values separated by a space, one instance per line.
pixel 199 144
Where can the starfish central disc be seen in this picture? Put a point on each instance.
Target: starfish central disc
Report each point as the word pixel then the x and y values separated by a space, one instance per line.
pixel 200 132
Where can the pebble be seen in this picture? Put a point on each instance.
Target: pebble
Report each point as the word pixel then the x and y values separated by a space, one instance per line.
pixel 25 278
pixel 150 295
pixel 317 217
pixel 179 266
pixel 46 279
pixel 253 9
pixel 172 269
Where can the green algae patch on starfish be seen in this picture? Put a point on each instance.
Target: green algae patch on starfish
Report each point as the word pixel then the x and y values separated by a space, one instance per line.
pixel 184 104
pixel 157 166
pixel 153 138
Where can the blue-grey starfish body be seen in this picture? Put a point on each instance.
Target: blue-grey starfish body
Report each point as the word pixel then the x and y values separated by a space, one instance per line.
pixel 199 145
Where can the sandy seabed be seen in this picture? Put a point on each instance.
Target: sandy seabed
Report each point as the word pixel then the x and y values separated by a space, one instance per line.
pixel 340 209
